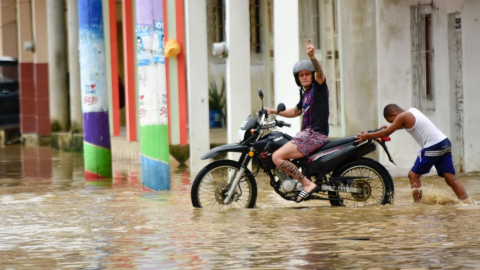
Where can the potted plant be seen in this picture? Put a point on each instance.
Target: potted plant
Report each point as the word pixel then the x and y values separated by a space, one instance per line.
pixel 216 103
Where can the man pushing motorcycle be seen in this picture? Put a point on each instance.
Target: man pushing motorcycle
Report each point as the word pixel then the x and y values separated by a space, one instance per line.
pixel 314 106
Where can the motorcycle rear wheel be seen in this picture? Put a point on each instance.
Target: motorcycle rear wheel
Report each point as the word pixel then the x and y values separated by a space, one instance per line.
pixel 377 186
pixel 211 185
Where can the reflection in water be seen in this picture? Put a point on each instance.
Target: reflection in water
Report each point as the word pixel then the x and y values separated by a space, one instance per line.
pixel 52 219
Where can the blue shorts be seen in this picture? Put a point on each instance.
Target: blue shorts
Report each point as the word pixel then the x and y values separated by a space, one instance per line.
pixel 439 155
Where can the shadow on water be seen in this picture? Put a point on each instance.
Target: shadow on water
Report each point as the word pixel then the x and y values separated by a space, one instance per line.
pixel 51 218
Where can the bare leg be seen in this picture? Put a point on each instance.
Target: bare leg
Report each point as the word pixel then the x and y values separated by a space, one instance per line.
pixel 282 157
pixel 456 186
pixel 415 183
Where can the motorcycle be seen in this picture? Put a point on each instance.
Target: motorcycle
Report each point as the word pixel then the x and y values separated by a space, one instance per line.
pixel 346 177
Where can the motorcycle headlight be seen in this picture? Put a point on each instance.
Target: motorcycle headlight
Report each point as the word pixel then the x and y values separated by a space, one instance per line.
pixel 241 134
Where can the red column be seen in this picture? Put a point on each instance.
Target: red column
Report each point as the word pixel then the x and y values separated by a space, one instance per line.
pixel 182 85
pixel 129 62
pixel 114 68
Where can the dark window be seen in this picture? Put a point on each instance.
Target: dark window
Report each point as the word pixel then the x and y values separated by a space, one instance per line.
pixel 255 26
pixel 423 57
pixel 220 19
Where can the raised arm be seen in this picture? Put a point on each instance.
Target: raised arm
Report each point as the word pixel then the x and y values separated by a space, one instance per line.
pixel 319 75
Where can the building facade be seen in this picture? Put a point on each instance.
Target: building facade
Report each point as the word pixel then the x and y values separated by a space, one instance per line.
pixel 415 53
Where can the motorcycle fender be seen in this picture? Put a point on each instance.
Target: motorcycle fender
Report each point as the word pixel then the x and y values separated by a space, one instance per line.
pixel 364 150
pixel 319 162
pixel 232 147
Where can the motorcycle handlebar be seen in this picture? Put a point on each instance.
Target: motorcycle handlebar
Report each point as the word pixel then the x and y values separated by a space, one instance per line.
pixel 283 124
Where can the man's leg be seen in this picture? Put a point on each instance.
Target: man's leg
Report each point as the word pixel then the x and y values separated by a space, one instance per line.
pixel 456 186
pixel 415 183
pixel 282 157
pixel 446 170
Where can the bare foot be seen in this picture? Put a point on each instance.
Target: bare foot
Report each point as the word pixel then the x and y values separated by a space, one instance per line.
pixel 468 201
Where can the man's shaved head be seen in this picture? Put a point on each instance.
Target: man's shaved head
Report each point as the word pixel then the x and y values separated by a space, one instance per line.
pixel 391 108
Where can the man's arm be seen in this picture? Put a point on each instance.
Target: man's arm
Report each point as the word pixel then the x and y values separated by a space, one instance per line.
pixel 289 113
pixel 397 124
pixel 319 75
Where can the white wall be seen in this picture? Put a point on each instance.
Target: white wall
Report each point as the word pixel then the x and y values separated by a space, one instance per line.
pixel 197 72
pixel 394 75
pixel 286 47
pixel 237 67
pixel 359 59
pixel 395 80
pixel 471 82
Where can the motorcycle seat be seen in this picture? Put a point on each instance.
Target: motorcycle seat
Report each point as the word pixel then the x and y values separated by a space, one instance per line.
pixel 337 142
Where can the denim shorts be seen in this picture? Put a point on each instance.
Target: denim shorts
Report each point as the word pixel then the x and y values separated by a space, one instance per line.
pixel 308 140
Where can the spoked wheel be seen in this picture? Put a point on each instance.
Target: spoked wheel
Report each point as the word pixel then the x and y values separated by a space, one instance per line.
pixel 212 184
pixel 374 182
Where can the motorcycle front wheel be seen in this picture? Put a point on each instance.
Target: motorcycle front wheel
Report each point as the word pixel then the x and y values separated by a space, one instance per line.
pixel 373 180
pixel 211 185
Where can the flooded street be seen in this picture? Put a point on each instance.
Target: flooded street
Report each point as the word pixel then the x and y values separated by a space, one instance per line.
pixel 50 218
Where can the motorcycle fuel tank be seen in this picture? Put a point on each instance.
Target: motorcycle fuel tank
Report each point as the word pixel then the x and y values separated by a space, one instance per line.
pixel 269 144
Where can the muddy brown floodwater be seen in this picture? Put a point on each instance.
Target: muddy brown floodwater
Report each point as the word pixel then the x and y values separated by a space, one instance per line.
pixel 50 218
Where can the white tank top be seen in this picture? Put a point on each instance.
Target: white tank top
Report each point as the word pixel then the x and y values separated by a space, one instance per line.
pixel 424 131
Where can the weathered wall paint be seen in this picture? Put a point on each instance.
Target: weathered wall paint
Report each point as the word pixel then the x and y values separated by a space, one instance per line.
pixel 152 89
pixel 471 80
pixel 98 163
pixel 359 59
pixel 395 79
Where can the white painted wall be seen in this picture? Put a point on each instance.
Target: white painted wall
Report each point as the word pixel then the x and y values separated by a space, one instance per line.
pixel 76 115
pixel 359 73
pixel 376 59
pixel 238 67
pixel 471 82
pixel 197 79
pixel 394 73
pixel 455 130
pixel 287 52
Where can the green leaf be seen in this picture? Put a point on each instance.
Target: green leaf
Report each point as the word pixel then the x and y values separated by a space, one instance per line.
pixel 216 97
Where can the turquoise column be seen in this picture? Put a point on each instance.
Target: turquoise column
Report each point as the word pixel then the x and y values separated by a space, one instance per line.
pixel 152 88
pixel 97 154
